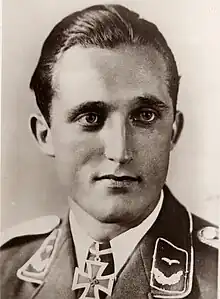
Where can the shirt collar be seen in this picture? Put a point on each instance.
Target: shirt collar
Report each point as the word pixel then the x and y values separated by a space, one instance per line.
pixel 122 245
pixel 82 241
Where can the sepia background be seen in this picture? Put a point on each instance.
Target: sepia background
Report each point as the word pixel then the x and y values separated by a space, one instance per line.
pixel 30 187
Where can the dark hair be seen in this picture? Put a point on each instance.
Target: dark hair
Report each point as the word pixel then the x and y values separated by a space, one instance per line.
pixel 103 26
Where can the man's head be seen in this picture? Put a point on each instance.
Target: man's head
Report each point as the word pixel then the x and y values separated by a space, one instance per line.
pixel 104 27
pixel 107 84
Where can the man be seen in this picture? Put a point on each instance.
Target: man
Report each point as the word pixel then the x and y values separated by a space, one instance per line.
pixel 106 85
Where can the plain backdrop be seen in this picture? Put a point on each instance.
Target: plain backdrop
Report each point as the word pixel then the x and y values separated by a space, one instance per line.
pixel 30 187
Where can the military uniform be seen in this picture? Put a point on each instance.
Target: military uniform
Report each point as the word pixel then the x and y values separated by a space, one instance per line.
pixel 177 258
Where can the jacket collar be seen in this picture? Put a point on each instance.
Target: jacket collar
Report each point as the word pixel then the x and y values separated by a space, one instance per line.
pixel 58 281
pixel 169 242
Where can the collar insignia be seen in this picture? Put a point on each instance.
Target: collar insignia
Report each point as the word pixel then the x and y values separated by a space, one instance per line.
pixel 36 268
pixel 171 273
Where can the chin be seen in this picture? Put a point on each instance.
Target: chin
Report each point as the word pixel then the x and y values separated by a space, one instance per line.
pixel 114 215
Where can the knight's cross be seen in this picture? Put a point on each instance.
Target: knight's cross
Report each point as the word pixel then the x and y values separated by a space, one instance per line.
pixel 93 281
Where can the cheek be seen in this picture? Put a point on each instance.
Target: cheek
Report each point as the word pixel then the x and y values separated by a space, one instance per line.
pixel 152 154
pixel 72 151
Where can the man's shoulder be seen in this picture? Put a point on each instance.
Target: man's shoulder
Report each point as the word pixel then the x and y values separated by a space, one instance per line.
pixel 206 244
pixel 205 232
pixel 205 239
pixel 33 227
pixel 20 243
pixel 15 253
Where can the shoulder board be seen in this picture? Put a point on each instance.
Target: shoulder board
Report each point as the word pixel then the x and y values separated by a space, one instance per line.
pixel 209 235
pixel 37 226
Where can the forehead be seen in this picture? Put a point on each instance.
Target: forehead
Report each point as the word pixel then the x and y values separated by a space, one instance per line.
pixel 93 74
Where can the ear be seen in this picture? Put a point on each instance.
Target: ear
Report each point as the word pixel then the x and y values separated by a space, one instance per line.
pixel 177 128
pixel 42 134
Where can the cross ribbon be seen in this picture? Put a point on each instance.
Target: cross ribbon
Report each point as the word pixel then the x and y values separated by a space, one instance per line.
pixel 95 250
pixel 93 281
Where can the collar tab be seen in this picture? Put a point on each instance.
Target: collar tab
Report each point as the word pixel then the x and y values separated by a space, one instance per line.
pixel 172 270
pixel 37 267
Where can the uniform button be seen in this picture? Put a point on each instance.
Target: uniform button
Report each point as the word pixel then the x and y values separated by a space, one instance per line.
pixel 210 233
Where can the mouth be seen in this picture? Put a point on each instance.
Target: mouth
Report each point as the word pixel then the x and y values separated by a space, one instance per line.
pixel 118 184
pixel 123 178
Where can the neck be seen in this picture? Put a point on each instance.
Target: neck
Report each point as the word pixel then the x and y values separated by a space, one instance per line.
pixel 101 231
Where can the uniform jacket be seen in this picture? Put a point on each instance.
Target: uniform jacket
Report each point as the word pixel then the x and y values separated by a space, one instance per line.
pixel 173 260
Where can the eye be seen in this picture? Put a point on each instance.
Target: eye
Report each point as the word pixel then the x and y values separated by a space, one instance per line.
pixel 144 116
pixel 147 116
pixel 90 120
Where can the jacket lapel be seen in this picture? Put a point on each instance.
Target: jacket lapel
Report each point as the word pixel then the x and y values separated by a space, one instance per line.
pixel 167 251
pixel 58 282
pixel 132 281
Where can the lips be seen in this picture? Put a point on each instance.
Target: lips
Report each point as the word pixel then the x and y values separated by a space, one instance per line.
pixel 122 178
pixel 118 183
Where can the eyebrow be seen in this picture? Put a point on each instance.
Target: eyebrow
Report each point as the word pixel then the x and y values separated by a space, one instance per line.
pixel 102 107
pixel 150 101
pixel 85 107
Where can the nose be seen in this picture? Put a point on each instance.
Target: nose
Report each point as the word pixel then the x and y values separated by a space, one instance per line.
pixel 115 139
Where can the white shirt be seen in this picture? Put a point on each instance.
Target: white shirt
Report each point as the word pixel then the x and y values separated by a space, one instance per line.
pixel 122 245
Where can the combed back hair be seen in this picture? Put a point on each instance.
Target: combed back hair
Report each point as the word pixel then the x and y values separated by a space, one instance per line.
pixel 102 26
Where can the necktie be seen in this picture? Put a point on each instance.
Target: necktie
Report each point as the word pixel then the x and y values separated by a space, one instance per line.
pixel 98 277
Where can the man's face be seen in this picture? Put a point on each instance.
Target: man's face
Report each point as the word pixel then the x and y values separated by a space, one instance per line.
pixel 111 129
